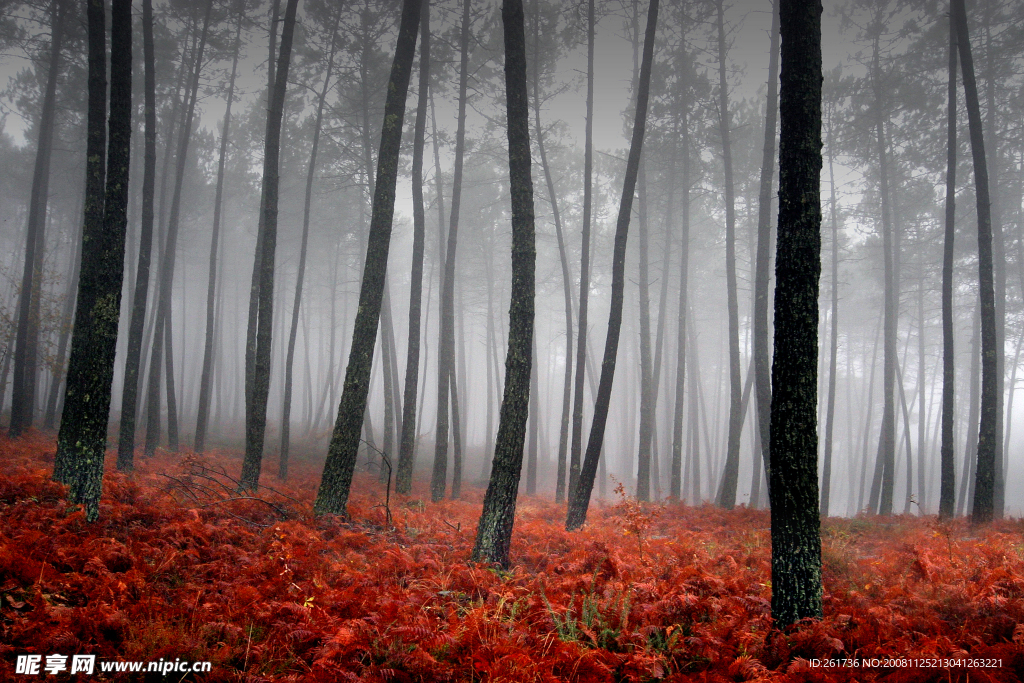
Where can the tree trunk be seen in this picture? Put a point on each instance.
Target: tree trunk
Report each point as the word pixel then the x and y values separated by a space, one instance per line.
pixel 579 497
pixel 133 360
pixel 494 532
pixel 830 410
pixel 332 496
pixel 82 440
pixel 258 375
pixel 446 326
pixel 676 477
pixel 988 436
pixel 26 345
pixel 762 259
pixel 301 274
pixel 730 476
pixel 796 544
pixel 576 444
pixel 206 377
pixel 407 439
pixel 563 425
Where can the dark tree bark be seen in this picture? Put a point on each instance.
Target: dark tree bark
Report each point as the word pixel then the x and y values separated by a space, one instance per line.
pixel 762 258
pixel 494 532
pixel 446 326
pixel 988 437
pixel 258 377
pixel 332 497
pixel 301 274
pixel 407 441
pixel 26 351
pixel 579 497
pixel 576 444
pixel 136 326
pixel 206 375
pixel 796 544
pixel 82 440
pixel 730 475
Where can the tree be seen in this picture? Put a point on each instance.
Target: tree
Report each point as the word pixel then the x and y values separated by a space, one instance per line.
pixel 762 258
pixel 727 490
pixel 23 392
pixel 133 360
pixel 796 543
pixel 82 440
pixel 300 276
pixel 407 441
pixel 258 371
pixel 830 409
pixel 206 374
pixel 446 327
pixel 494 532
pixel 947 477
pixel 332 497
pixel 579 497
pixel 984 488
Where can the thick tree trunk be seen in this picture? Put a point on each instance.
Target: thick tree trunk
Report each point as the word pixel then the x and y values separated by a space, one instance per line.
pixel 988 436
pixel 206 376
pixel 494 532
pixel 579 496
pixel 82 440
pixel 332 496
pixel 258 375
pixel 26 351
pixel 796 544
pixel 730 476
pixel 301 273
pixel 446 325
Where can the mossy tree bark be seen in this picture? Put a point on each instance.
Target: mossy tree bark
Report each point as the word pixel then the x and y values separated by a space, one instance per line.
pixel 579 496
pixel 494 532
pixel 796 543
pixel 332 497
pixel 82 440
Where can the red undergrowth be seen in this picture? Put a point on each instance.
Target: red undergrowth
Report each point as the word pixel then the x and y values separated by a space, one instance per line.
pixel 669 593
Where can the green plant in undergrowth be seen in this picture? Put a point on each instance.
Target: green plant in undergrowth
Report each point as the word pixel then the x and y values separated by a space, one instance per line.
pixel 594 622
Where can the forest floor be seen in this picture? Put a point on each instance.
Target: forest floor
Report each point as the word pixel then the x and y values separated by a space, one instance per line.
pixel 178 571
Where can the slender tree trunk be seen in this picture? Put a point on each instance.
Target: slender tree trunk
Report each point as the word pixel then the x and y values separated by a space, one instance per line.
pixel 730 476
pixel 82 440
pixel 407 440
pixel 26 351
pixel 830 411
pixel 576 444
pixel 258 377
pixel 988 435
pixel 563 427
pixel 133 360
pixel 676 478
pixel 301 274
pixel 967 481
pixel 206 377
pixel 494 532
pixel 67 321
pixel 332 497
pixel 579 498
pixel 762 259
pixel 446 326
pixel 534 426
pixel 882 495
